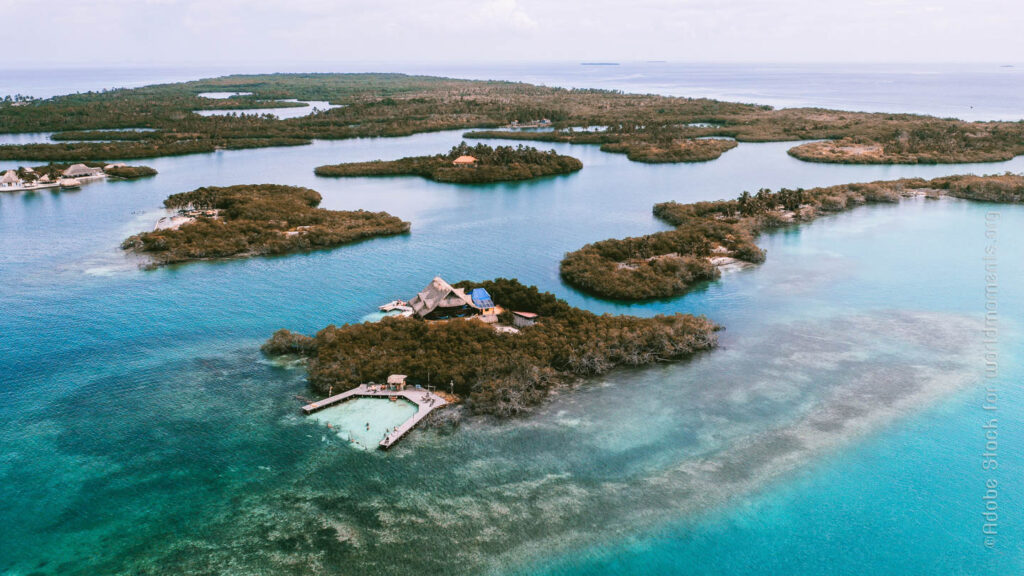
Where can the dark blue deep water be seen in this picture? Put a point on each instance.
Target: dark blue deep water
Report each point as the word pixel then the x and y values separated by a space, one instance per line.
pixel 838 429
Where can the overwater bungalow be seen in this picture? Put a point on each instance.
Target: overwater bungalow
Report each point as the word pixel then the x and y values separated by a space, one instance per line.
pixel 440 301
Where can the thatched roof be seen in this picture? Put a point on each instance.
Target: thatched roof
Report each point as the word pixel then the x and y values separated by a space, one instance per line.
pixel 463 160
pixel 80 170
pixel 396 379
pixel 10 177
pixel 439 294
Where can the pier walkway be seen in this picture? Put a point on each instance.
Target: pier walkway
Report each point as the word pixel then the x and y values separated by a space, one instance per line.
pixel 424 400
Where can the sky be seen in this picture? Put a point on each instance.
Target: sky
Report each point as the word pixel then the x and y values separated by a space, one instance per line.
pixel 71 33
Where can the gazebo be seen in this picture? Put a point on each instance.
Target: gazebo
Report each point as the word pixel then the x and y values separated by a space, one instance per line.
pixel 10 179
pixel 465 161
pixel 396 381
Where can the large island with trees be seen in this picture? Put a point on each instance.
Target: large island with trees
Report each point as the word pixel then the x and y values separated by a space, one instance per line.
pixel 498 373
pixel 253 220
pixel 646 127
pixel 465 164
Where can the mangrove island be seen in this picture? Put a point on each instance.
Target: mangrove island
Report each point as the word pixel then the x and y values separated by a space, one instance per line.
pixel 710 235
pixel 465 164
pixel 650 146
pixel 459 337
pixel 253 220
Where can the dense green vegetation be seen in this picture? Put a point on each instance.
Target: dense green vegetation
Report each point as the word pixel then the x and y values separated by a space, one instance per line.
pixel 156 146
pixel 500 164
pixel 252 220
pixel 653 148
pixel 501 374
pixel 926 143
pixel 1006 189
pixel 647 127
pixel 669 263
pixel 129 172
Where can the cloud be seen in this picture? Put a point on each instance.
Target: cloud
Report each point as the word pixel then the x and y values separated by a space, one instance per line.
pixel 164 32
pixel 507 12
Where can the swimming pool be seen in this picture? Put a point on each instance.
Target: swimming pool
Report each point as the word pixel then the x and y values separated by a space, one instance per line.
pixel 365 421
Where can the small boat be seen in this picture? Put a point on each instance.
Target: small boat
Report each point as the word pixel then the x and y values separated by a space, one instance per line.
pixel 68 183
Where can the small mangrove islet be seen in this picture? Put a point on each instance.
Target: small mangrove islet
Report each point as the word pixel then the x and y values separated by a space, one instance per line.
pixel 709 235
pixel 497 372
pixel 652 147
pixel 465 164
pixel 254 220
pixel 129 172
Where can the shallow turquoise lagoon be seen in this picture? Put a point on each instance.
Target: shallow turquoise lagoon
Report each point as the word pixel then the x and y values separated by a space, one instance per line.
pixel 836 431
pixel 364 422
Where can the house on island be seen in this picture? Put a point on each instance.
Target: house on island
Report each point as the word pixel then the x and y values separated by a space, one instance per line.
pixel 464 161
pixel 440 301
pixel 10 179
pixel 482 300
pixel 82 171
pixel 524 319
pixel 396 382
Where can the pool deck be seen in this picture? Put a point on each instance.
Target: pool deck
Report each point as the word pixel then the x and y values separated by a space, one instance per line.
pixel 424 400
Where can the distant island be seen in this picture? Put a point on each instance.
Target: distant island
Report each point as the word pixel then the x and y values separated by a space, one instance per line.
pixel 497 372
pixel 647 127
pixel 254 220
pixel 465 164
pixel 711 235
pixel 129 172
pixel 917 147
pixel 651 148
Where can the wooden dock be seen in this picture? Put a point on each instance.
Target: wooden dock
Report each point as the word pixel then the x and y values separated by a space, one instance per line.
pixel 424 400
pixel 401 305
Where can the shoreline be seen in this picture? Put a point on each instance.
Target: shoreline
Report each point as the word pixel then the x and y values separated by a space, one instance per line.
pixel 712 236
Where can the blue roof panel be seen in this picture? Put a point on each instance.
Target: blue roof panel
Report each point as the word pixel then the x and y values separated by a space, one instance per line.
pixel 481 298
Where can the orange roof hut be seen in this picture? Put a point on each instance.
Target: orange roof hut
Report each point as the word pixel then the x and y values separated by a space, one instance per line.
pixel 465 161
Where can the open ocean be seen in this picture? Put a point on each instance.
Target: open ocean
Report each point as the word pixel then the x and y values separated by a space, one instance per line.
pixel 837 431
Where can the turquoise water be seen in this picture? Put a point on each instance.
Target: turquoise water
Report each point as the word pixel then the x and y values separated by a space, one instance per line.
pixel 364 422
pixel 836 431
